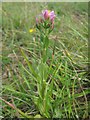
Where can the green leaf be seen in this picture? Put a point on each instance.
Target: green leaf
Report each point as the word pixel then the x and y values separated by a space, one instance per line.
pixel 29 65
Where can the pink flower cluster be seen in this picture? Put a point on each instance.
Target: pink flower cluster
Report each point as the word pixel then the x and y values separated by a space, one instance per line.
pixel 46 16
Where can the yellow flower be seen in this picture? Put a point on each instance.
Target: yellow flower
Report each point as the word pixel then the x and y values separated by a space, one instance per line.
pixel 32 30
pixel 49 11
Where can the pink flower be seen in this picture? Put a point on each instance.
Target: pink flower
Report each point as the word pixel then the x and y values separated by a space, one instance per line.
pixel 48 15
pixel 45 14
pixel 52 15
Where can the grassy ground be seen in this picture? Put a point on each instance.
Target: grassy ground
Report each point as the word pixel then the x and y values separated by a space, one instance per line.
pixel 67 96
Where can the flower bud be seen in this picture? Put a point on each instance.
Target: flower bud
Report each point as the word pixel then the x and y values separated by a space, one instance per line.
pixel 45 14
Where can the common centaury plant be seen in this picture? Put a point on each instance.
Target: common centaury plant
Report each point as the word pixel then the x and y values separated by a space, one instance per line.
pixel 45 25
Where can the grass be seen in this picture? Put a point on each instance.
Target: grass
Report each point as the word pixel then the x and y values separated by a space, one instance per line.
pixel 58 88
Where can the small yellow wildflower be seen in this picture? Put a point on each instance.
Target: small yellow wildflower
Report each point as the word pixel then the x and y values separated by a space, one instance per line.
pixel 32 30
pixel 49 11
